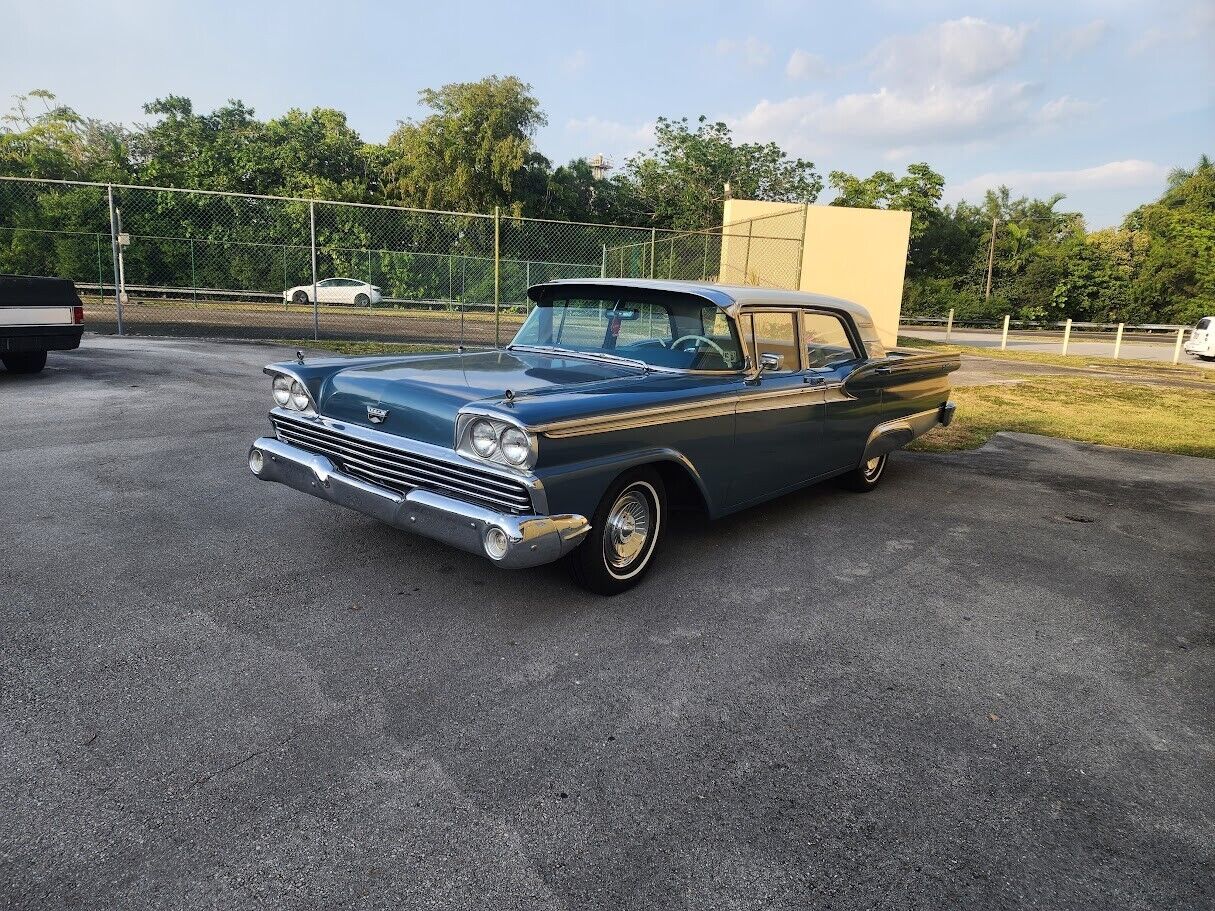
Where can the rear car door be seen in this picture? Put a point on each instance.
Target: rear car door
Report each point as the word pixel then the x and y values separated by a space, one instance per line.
pixel 833 354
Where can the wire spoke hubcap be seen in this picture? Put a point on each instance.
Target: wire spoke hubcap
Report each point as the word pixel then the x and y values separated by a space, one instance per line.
pixel 627 529
pixel 873 467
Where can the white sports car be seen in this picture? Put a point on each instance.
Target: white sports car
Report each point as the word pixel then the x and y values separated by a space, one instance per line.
pixel 336 291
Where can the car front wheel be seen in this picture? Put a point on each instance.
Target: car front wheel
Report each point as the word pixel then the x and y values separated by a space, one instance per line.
pixel 624 534
pixel 362 300
pixel 299 297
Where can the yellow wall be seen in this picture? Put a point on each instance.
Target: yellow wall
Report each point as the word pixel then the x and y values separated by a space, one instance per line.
pixel 856 254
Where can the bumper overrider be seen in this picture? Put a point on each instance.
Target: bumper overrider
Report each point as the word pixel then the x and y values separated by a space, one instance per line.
pixel 509 540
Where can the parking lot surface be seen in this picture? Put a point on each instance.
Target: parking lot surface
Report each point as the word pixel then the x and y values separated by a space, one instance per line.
pixel 987 684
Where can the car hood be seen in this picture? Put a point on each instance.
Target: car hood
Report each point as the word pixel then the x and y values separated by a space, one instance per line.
pixel 423 394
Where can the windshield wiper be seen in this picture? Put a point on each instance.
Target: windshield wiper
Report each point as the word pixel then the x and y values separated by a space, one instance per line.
pixel 589 355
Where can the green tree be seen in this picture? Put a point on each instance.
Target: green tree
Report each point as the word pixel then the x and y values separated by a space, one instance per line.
pixel 470 153
pixel 682 181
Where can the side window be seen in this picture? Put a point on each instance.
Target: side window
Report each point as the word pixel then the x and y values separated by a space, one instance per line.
pixel 826 340
pixel 776 333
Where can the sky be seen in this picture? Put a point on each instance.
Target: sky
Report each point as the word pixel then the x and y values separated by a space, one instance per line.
pixel 1097 100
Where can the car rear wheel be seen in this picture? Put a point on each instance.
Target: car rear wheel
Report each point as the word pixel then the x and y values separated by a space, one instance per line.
pixel 299 297
pixel 25 362
pixel 624 534
pixel 362 300
pixel 867 475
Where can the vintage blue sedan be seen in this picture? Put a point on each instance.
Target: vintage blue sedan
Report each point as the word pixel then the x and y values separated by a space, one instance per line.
pixel 618 400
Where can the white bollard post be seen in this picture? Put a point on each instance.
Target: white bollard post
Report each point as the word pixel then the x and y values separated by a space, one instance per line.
pixel 949 325
pixel 1004 334
pixel 1177 347
pixel 1067 334
pixel 1118 340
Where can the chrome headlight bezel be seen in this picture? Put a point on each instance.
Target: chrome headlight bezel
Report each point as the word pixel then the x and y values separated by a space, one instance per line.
pixel 297 391
pixel 467 420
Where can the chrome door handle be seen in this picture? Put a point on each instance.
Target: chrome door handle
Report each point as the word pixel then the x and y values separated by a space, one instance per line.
pixel 884 369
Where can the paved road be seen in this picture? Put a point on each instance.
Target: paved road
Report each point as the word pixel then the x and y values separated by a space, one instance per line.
pixel 987 684
pixel 1161 350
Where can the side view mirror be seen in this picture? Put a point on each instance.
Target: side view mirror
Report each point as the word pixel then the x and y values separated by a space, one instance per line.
pixel 770 361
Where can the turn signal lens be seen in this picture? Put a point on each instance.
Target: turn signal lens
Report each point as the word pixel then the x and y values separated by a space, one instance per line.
pixel 282 390
pixel 484 440
pixel 299 397
pixel 496 543
pixel 516 447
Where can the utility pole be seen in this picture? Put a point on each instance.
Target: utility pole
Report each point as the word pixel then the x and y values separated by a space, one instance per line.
pixel 991 257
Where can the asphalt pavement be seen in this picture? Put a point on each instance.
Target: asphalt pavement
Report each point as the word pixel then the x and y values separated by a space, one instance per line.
pixel 987 684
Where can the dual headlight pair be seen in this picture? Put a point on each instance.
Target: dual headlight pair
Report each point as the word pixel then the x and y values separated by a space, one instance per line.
pixel 290 393
pixel 497 441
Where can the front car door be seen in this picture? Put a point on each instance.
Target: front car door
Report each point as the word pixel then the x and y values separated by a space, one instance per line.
pixel 779 417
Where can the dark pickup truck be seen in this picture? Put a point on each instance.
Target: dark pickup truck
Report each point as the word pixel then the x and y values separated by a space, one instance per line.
pixel 37 315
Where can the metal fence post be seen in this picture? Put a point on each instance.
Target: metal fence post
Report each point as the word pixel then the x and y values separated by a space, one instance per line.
pixel 747 255
pixel 193 272
pixel 1118 341
pixel 1067 334
pixel 603 268
pixel 100 273
pixel 1177 347
pixel 801 248
pixel 316 313
pixel 653 239
pixel 671 260
pixel 1004 334
pixel 114 254
pixel 704 266
pixel 949 325
pixel 497 274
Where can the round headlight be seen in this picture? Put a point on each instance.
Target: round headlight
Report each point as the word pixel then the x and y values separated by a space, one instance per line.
pixel 516 447
pixel 299 397
pixel 282 389
pixel 484 440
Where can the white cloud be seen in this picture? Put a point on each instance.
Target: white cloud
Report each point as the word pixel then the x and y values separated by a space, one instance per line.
pixel 575 62
pixel 594 134
pixel 804 65
pixel 960 51
pixel 1065 108
pixel 1148 40
pixel 751 51
pixel 937 114
pixel 1076 41
pixel 1113 175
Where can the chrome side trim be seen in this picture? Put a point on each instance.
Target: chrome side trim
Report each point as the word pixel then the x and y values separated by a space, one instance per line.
pixel 734 403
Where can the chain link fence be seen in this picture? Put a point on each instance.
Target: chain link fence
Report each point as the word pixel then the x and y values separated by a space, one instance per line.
pixel 163 261
pixel 764 251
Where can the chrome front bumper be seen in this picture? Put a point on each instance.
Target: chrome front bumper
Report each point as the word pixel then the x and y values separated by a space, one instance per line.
pixel 531 540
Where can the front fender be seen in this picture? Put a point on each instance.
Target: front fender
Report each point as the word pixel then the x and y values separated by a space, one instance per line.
pixel 579 486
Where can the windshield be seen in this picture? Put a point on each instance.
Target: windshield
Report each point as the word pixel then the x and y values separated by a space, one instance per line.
pixel 657 329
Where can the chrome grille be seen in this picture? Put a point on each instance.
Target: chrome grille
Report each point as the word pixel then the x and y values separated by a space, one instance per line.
pixel 400 470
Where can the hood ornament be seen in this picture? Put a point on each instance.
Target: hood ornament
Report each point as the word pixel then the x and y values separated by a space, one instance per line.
pixel 376 415
pixel 510 397
pixel 299 356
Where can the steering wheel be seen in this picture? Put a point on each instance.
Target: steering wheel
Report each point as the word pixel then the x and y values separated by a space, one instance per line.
pixel 725 358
